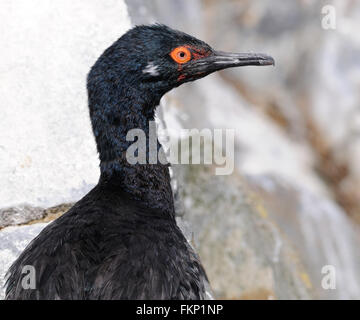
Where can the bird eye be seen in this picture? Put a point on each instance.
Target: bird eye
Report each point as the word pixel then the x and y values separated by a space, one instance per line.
pixel 181 55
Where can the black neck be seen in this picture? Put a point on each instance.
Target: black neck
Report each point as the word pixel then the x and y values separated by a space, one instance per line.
pixel 115 108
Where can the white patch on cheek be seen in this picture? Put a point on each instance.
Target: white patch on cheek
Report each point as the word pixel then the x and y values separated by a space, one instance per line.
pixel 151 69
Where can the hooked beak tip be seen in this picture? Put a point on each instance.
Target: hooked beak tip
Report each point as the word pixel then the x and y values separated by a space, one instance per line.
pixel 268 61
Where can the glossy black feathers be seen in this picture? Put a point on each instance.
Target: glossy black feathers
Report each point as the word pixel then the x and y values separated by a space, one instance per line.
pixel 107 247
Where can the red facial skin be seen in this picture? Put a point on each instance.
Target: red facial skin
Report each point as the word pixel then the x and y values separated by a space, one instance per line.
pixel 196 54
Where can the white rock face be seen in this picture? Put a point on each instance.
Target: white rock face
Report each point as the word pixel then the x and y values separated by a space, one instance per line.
pixel 47 151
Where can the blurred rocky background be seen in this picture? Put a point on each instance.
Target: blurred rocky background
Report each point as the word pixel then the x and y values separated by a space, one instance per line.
pixel 292 205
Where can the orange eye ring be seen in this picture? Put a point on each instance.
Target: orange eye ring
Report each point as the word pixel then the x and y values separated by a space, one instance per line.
pixel 181 55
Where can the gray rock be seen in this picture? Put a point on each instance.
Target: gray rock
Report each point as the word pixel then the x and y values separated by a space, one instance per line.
pixel 319 230
pixel 284 138
pixel 243 251
pixel 20 215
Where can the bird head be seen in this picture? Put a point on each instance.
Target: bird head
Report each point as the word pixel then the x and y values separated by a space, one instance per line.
pixel 158 58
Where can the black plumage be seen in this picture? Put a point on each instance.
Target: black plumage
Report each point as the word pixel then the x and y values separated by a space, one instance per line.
pixel 121 240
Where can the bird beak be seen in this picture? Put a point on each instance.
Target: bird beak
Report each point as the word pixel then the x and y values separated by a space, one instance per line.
pixel 222 60
pixel 229 60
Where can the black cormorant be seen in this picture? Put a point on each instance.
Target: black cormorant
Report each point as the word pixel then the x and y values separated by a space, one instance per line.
pixel 121 241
